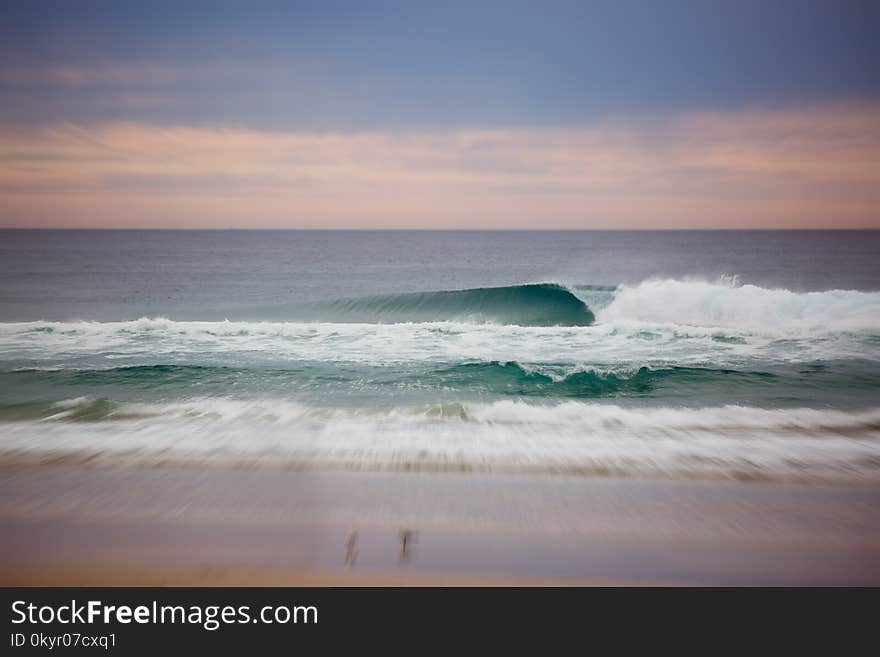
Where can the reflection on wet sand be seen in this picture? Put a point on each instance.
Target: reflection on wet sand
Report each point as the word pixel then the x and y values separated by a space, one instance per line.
pixel 169 526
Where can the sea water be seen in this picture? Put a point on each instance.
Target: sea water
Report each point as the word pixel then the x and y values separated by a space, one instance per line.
pixel 727 354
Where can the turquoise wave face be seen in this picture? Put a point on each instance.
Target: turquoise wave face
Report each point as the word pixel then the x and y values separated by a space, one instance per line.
pixel 543 304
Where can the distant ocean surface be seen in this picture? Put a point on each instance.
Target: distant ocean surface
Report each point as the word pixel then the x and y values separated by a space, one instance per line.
pixel 743 355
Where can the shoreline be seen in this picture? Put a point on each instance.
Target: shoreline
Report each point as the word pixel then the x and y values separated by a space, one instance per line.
pixel 135 460
pixel 175 526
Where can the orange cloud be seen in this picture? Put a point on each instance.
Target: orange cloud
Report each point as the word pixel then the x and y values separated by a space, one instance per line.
pixel 782 168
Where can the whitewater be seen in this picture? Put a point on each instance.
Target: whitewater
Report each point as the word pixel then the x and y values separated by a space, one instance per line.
pixel 667 377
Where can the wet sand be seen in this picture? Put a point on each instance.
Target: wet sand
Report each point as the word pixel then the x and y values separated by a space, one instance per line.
pixel 174 526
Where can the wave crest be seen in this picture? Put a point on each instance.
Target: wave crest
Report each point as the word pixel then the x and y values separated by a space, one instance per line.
pixel 728 304
pixel 539 304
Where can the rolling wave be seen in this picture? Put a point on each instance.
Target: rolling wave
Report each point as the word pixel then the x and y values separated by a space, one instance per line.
pixel 541 304
pixel 697 307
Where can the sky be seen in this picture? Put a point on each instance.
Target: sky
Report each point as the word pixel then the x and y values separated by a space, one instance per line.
pixel 519 115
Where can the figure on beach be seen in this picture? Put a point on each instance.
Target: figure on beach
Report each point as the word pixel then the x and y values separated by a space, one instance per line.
pixel 351 551
pixel 407 538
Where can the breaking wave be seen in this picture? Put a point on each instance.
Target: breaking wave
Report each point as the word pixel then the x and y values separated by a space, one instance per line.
pixel 541 304
pixel 727 304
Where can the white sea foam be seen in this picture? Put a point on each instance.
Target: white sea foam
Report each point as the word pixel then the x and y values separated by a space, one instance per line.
pixel 655 323
pixel 573 437
pixel 618 345
pixel 727 304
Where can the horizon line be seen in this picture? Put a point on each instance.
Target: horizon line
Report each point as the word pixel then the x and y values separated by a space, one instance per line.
pixel 444 230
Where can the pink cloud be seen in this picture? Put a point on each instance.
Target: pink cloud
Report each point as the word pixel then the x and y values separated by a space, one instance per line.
pixel 816 166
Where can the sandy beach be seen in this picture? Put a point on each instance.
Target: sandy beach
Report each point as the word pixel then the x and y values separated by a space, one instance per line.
pixel 175 526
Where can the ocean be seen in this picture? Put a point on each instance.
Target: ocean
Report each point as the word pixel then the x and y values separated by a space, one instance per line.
pixel 684 354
